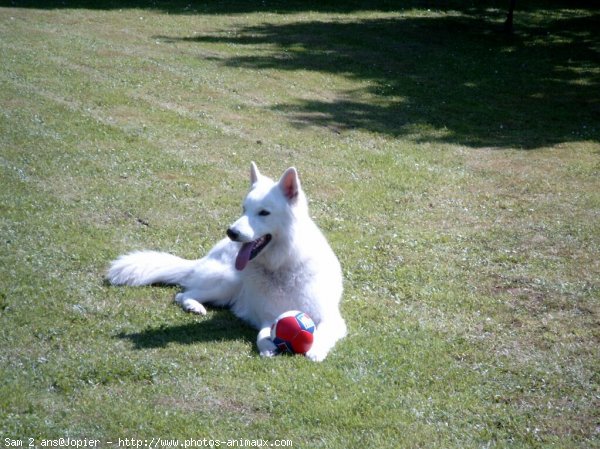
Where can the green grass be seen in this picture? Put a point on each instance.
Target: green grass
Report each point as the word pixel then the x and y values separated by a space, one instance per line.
pixel 454 169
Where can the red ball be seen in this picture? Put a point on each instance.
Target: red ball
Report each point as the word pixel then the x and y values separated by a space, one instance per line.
pixel 293 332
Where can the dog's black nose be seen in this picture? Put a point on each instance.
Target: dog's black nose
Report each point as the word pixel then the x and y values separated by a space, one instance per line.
pixel 233 235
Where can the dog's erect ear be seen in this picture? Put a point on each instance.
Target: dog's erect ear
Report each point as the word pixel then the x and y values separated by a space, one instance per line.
pixel 290 184
pixel 254 173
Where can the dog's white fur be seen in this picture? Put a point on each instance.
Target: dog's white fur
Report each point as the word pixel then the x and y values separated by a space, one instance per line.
pixel 297 270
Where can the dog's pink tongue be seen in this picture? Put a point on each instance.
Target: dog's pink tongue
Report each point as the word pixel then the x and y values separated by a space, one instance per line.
pixel 243 256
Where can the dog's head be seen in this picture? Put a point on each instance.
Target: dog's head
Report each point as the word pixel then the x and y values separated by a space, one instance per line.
pixel 269 212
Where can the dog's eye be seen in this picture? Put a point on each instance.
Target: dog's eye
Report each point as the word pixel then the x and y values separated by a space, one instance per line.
pixel 264 213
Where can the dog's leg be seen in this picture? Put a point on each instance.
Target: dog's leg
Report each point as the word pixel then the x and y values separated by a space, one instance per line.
pixel 212 279
pixel 266 347
pixel 327 335
pixel 217 291
pixel 187 301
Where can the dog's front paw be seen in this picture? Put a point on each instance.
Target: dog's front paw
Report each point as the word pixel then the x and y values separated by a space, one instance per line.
pixel 266 347
pixel 316 355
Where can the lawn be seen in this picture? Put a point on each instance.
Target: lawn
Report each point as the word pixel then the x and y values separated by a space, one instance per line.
pixel 455 170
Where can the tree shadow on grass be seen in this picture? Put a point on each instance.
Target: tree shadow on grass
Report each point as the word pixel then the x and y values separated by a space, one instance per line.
pixel 228 6
pixel 221 326
pixel 448 77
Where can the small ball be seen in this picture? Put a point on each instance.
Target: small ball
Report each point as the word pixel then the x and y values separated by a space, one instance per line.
pixel 293 332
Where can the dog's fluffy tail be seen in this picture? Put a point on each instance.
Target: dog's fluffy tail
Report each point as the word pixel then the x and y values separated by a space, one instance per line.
pixel 149 267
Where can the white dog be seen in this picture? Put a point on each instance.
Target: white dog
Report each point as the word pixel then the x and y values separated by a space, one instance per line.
pixel 275 260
